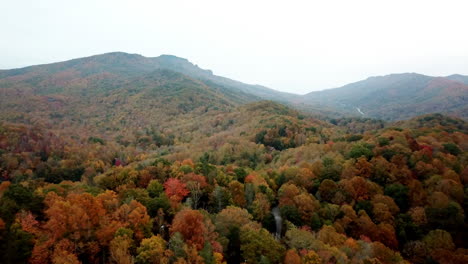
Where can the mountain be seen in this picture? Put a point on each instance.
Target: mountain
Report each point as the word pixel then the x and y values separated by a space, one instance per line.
pixel 458 78
pixel 174 85
pixel 107 70
pixel 99 155
pixel 134 100
pixel 397 96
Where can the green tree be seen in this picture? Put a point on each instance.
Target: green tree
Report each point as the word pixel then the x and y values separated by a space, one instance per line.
pixel 256 243
pixel 452 149
pixel 359 150
pixel 207 254
pixel 155 188
pixel 399 193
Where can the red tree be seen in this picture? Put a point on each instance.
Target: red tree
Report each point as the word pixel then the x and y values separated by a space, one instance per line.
pixel 175 189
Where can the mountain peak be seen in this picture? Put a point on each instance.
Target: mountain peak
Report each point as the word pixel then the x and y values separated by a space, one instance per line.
pixel 171 57
pixel 458 78
pixel 111 56
pixel 456 75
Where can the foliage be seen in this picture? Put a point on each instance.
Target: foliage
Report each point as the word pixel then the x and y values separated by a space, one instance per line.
pixel 111 166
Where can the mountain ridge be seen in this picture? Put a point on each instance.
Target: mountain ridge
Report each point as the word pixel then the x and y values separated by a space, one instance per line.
pixel 135 64
pixel 396 96
pixel 390 97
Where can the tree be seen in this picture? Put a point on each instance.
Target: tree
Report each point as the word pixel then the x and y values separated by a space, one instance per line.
pixel 192 177
pixel 286 194
pixel 384 209
pixel 306 205
pixel 221 197
pixel 218 258
pixel 175 189
pixel 291 213
pixel 261 206
pixel 259 242
pixel 152 250
pixel 17 246
pixel 327 190
pixel 77 214
pixel 363 167
pixel 16 197
pixel 311 257
pixel 207 254
pixel 357 188
pixel 28 222
pixel 438 238
pixel 292 257
pixel 193 257
pixel 328 235
pixel 331 169
pixel 177 246
pixel 134 215
pixel 406 229
pixel 120 247
pixel 359 150
pixel 305 178
pixel 154 188
pixel 418 215
pixel 63 253
pixel 237 193
pixel 452 148
pixel 399 193
pixel 299 239
pixel 189 223
pixel 384 254
pixel 240 174
pixel 231 217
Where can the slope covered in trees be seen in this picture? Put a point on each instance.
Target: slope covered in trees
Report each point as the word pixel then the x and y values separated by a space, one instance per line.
pixel 387 195
pixel 102 72
pixel 397 96
pixel 113 165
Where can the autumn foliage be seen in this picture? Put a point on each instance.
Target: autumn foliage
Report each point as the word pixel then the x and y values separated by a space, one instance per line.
pixel 306 192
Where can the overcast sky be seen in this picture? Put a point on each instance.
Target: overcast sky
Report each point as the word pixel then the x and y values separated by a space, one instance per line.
pixel 294 46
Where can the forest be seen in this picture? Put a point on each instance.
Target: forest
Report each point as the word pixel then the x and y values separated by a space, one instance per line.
pixel 110 160
pixel 388 195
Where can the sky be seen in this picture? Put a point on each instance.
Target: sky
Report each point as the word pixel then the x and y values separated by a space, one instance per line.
pixel 292 46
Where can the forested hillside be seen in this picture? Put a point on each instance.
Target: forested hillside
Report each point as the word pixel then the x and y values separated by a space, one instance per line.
pixel 120 158
pixel 397 96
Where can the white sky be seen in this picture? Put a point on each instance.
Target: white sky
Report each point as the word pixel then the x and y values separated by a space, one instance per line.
pixel 294 46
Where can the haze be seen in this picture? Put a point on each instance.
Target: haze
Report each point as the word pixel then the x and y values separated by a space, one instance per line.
pixel 293 46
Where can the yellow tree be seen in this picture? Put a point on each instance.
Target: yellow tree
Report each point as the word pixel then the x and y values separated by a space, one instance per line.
pixel 153 250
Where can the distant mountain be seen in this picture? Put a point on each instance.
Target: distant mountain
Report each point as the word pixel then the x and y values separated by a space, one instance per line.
pixel 458 78
pixel 173 85
pixel 397 96
pixel 110 69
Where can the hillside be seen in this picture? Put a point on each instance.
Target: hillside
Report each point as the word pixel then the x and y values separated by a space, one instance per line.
pixel 147 103
pixel 103 72
pixel 118 158
pixel 267 180
pixel 458 78
pixel 397 96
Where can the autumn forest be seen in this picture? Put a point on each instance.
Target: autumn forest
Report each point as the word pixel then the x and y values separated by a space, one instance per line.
pixel 120 158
